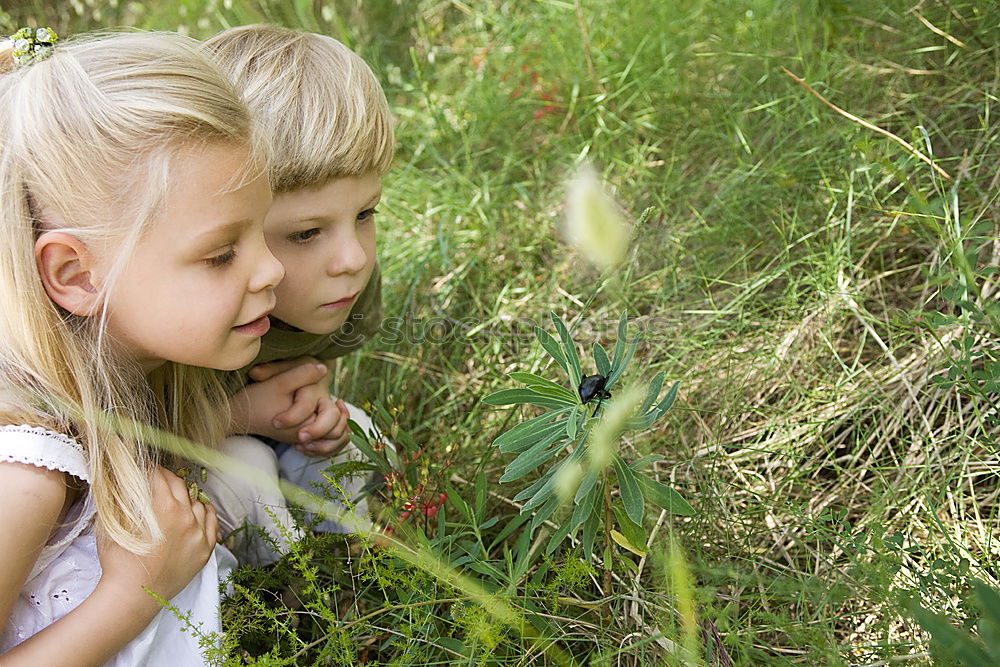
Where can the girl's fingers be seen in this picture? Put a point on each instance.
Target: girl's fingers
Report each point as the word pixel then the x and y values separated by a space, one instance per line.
pixel 199 511
pixel 211 524
pixel 176 487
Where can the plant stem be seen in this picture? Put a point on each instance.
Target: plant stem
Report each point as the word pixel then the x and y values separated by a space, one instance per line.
pixel 607 532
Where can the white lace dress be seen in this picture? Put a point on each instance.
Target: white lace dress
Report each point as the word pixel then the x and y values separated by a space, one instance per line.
pixel 68 569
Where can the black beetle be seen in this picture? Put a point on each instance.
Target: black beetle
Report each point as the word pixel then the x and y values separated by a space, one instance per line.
pixel 591 387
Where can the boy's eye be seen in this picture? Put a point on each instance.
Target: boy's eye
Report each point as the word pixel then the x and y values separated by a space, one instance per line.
pixel 303 236
pixel 222 259
pixel 367 214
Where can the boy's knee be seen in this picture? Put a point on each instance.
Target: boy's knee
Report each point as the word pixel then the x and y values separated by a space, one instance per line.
pixel 251 451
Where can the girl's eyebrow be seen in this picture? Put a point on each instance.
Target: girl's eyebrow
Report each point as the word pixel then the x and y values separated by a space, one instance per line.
pixel 374 199
pixel 224 229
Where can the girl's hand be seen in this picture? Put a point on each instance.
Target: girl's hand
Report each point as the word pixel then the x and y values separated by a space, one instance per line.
pixel 190 531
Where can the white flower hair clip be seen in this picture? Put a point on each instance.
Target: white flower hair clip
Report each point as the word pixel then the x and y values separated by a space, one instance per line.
pixel 33 44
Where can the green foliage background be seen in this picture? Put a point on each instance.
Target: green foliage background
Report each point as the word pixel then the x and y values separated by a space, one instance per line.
pixel 802 276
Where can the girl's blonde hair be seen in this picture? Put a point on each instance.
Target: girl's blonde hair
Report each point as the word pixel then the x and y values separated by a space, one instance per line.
pixel 87 137
pixel 319 105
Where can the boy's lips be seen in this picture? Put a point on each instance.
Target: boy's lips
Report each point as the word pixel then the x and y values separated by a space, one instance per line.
pixel 342 303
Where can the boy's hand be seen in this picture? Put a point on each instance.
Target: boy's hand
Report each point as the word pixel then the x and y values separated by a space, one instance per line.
pixel 308 418
pixel 334 439
pixel 256 406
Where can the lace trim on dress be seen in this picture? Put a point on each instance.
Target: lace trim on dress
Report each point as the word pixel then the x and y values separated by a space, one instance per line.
pixel 42 447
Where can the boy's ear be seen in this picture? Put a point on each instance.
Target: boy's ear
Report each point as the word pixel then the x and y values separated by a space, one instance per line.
pixel 65 267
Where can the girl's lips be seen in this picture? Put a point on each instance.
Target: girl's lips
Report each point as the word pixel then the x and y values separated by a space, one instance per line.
pixel 342 303
pixel 256 328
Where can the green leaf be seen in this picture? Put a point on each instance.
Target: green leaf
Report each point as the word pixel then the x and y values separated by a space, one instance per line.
pixel 663 496
pixel 620 341
pixel 552 347
pixel 571 422
pixel 480 488
pixel 624 543
pixel 544 512
pixel 360 440
pixel 631 530
pixel 644 461
pixel 951 641
pixel 630 490
pixel 589 480
pixel 640 423
pixel 568 528
pixel 654 390
pixel 519 396
pixel 583 510
pixel 644 421
pixel 528 460
pixel 620 368
pixel 601 359
pixel 515 522
pixel 453 645
pixel 988 600
pixel 569 349
pixel 558 393
pixel 527 433
pixel 590 531
pixel 537 382
pixel 516 445
pixel 455 499
pixel 546 490
pixel 530 491
pixel 668 400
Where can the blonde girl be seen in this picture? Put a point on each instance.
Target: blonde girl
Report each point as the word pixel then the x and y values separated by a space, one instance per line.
pixel 131 242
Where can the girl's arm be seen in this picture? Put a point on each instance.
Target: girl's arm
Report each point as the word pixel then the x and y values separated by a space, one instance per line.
pixel 32 499
pixel 119 608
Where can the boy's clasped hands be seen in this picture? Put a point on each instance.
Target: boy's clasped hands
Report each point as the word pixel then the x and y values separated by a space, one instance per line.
pixel 289 401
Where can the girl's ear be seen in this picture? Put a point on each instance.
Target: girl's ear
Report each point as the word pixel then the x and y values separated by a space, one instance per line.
pixel 65 267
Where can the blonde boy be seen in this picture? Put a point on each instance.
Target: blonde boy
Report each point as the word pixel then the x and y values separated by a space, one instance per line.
pixel 329 129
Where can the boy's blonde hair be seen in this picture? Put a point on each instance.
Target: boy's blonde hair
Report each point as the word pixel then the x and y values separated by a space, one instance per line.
pixel 87 139
pixel 319 105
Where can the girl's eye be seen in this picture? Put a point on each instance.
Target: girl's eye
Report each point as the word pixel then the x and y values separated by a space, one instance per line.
pixel 223 259
pixel 303 236
pixel 367 215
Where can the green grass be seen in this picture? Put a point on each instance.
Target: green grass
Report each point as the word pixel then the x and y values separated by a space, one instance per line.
pixel 783 275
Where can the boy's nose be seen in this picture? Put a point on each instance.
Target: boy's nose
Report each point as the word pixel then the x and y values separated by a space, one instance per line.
pixel 349 258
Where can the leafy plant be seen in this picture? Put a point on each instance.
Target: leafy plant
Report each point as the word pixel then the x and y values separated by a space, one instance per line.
pixel 962 646
pixel 569 434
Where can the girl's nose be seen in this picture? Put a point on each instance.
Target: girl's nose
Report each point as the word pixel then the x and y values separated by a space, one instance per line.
pixel 268 270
